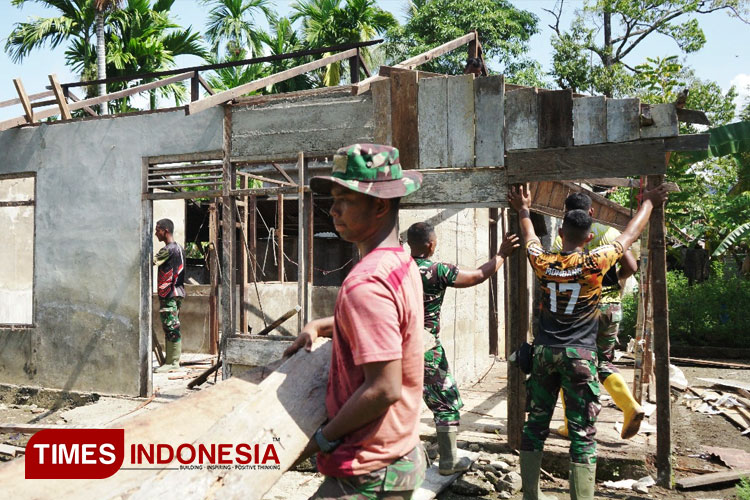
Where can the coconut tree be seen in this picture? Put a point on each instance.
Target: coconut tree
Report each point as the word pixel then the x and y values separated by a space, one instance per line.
pixel 328 22
pixel 233 22
pixel 102 7
pixel 282 39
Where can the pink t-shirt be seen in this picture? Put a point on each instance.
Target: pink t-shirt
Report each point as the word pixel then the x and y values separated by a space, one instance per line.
pixel 378 317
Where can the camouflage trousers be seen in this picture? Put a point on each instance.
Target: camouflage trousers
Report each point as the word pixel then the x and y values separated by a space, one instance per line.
pixel 573 369
pixel 610 315
pixel 440 391
pixel 169 312
pixel 398 480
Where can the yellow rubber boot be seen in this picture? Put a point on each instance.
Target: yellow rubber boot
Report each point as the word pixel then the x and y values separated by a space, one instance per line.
pixel 632 411
pixel 563 429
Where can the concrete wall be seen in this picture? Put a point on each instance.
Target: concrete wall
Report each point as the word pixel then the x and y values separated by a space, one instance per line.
pixel 278 298
pixel 88 244
pixel 194 325
pixel 463 239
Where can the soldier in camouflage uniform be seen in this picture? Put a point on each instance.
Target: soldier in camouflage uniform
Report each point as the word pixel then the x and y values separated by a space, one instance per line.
pixel 440 390
pixel 171 290
pixel 370 448
pixel 610 315
pixel 565 354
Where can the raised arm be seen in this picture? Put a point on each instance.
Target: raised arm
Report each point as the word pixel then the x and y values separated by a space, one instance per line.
pixel 652 198
pixel 628 266
pixel 519 198
pixel 467 278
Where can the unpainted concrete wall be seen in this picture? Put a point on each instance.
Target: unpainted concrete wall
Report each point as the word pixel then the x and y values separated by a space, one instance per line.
pixel 88 244
pixel 463 239
pixel 278 298
pixel 17 252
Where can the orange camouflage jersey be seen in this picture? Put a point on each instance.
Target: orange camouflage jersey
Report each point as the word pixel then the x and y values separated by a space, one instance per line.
pixel 571 284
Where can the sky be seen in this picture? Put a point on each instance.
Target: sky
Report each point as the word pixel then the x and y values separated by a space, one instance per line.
pixel 725 58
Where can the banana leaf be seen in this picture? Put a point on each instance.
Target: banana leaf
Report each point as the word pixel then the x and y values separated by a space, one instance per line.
pixel 736 235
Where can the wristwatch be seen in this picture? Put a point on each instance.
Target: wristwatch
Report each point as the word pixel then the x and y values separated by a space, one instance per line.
pixel 325 445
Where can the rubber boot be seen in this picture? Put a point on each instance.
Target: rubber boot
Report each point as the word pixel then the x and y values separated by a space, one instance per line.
pixel 449 462
pixel 531 465
pixel 632 412
pixel 172 357
pixel 582 481
pixel 563 429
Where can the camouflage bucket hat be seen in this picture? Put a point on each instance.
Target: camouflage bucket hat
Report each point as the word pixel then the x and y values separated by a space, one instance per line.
pixel 371 169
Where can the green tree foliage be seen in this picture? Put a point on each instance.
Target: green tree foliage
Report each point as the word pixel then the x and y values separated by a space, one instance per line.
pixel 590 55
pixel 503 29
pixel 330 22
pixel 283 39
pixel 232 22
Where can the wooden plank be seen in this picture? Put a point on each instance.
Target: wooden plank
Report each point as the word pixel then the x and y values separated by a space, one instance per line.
pixel 213 262
pixel 549 199
pixel 691 142
pixel 228 95
pixel 145 320
pixel 404 117
pixel 494 243
pixel 24 98
pixel 182 195
pixel 234 411
pixel 518 314
pixel 12 428
pixel 75 98
pixel 665 121
pixel 692 116
pixel 32 98
pixel 244 255
pixel 381 104
pixel 205 85
pixel 521 119
pixel 303 289
pixel 434 483
pixel 128 92
pixel 433 122
pixel 589 120
pixel 460 107
pixel 256 350
pixel 644 157
pixel 489 105
pixel 555 118
pixel 443 187
pixel 13 122
pixel 228 233
pixel 62 102
pixel 10 450
pixel 280 235
pixel 623 123
pixel 658 251
pixel 389 70
pixel 687 483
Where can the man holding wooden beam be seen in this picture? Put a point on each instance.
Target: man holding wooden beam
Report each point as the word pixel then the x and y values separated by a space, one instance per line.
pixel 564 353
pixel 369 448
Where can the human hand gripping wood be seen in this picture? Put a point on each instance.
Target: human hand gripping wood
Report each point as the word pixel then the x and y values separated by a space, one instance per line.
pixel 509 245
pixel 519 197
pixel 322 327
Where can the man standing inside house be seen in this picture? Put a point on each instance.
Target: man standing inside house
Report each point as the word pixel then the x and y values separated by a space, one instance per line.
pixel 565 354
pixel 440 389
pixel 171 289
pixel 369 447
pixel 610 315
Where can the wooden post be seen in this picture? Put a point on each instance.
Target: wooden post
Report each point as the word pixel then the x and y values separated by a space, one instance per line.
pixel 311 239
pixel 494 225
pixel 280 234
pixel 62 103
pixel 252 234
pixel 228 232
pixel 473 47
pixel 195 87
pixel 213 261
pixel 517 316
pixel 244 181
pixel 27 109
pixel 303 208
pixel 145 321
pixel 665 474
pixel 354 68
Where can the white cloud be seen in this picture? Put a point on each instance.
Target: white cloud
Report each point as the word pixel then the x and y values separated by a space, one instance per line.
pixel 742 83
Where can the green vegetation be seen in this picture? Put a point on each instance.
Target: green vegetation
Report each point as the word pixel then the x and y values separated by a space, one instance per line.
pixel 711 313
pixel 743 489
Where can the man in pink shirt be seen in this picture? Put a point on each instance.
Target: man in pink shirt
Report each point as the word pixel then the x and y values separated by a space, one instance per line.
pixel 369 447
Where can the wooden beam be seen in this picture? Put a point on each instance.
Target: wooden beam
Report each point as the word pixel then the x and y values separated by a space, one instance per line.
pixel 354 68
pixel 205 85
pixel 32 98
pixel 146 334
pixel 183 195
pixel 691 142
pixel 228 232
pixel 194 87
pixel 213 262
pixel 303 206
pixel 417 60
pixel 664 121
pixel 658 251
pixel 692 116
pixel 389 70
pixel 75 98
pixel 24 98
pixel 13 122
pixel 494 230
pixel 228 95
pixel 460 187
pixel 280 234
pixel 712 479
pixel 244 269
pixel 644 157
pixel 364 67
pixel 62 103
pixel 404 117
pixel 285 175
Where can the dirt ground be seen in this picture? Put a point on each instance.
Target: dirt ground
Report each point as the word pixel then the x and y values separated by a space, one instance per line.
pixel 691 430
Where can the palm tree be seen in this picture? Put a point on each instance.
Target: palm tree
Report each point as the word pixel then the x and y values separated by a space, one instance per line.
pixel 232 22
pixel 234 76
pixel 102 7
pixel 282 39
pixel 326 23
pixel 143 39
